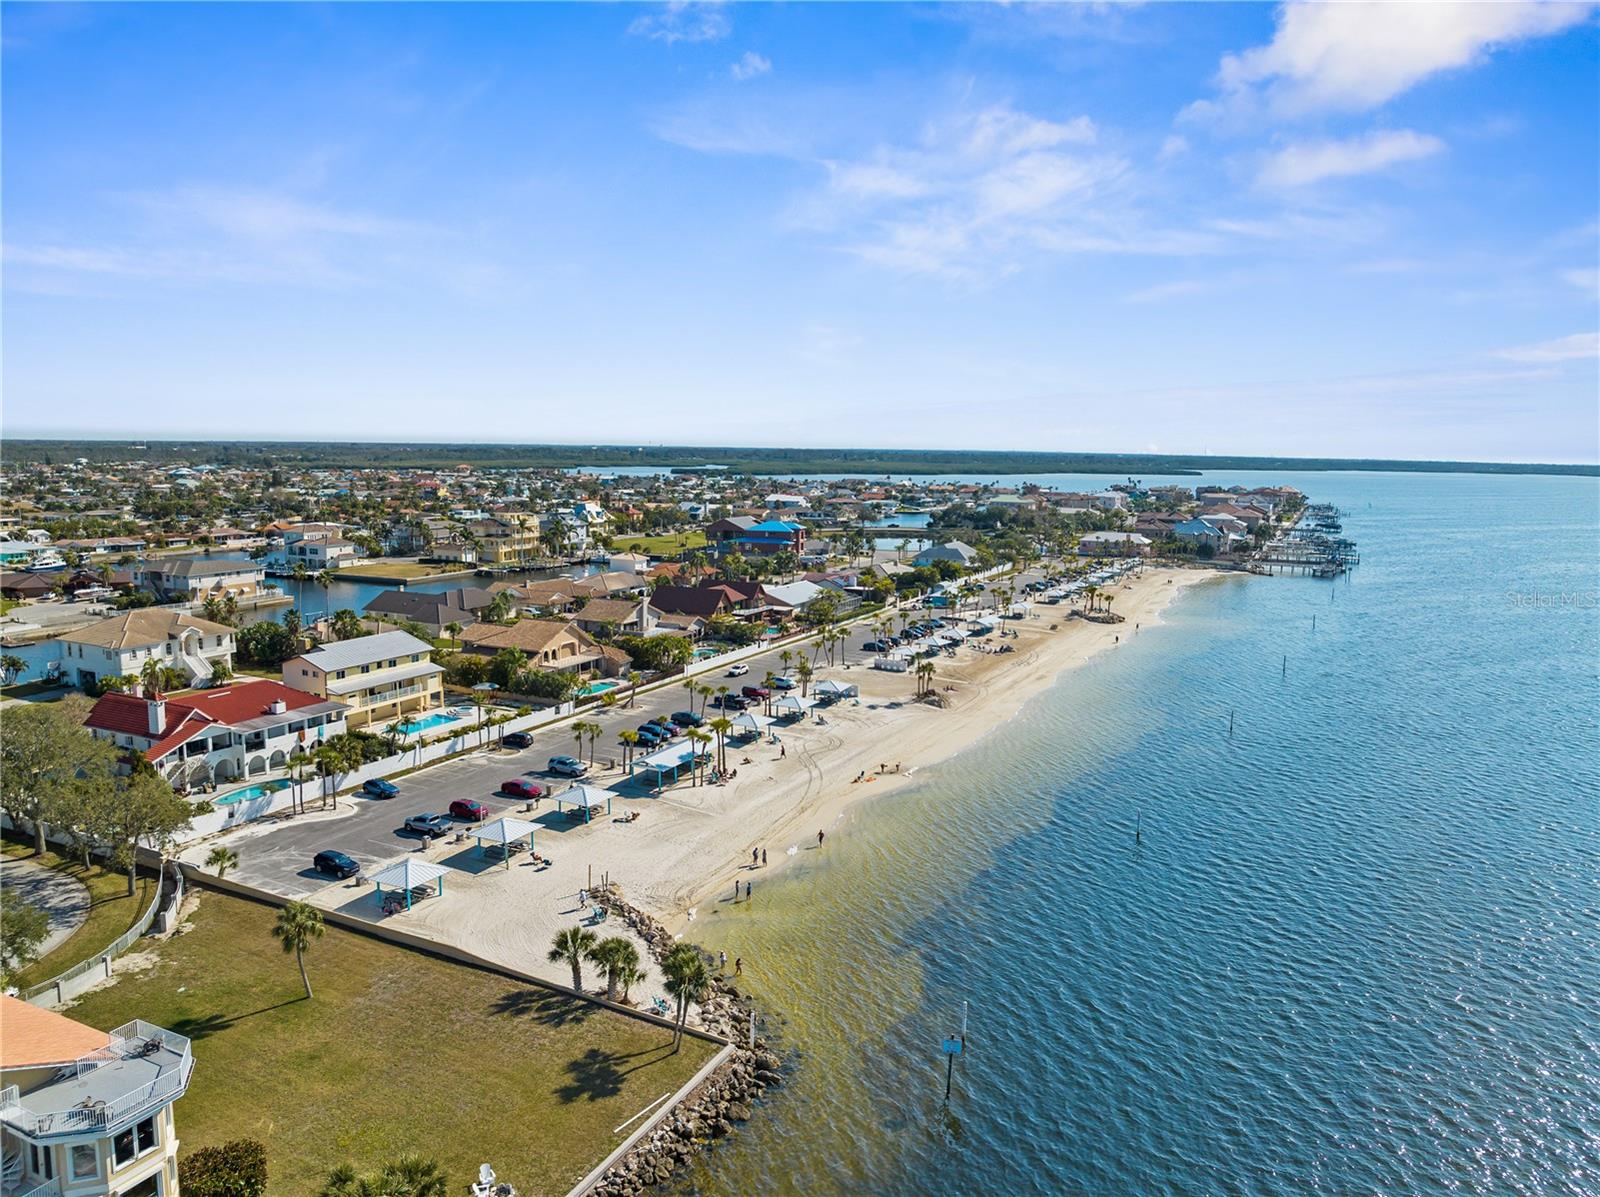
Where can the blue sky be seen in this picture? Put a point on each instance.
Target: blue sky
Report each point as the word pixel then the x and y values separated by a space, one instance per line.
pixel 1313 230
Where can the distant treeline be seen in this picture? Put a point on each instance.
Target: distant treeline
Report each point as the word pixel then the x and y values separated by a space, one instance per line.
pixel 873 462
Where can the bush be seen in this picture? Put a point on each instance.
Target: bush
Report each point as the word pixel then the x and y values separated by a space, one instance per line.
pixel 236 1169
pixel 266 643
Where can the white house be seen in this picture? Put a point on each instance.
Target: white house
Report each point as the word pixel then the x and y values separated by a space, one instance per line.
pixel 242 730
pixel 960 552
pixel 120 646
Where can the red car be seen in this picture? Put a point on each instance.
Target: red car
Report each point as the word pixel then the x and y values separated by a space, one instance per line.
pixel 521 787
pixel 469 809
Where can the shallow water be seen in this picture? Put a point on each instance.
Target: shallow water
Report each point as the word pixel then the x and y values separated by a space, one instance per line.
pixel 1355 952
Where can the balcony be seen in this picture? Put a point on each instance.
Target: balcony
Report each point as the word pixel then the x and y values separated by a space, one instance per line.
pixel 142 1069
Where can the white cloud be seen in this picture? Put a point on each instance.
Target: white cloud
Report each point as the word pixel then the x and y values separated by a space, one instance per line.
pixel 1173 146
pixel 1357 56
pixel 1311 162
pixel 270 216
pixel 1178 289
pixel 1577 347
pixel 683 21
pixel 1584 278
pixel 750 65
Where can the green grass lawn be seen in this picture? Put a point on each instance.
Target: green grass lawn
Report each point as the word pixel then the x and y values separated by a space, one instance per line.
pixel 111 912
pixel 29 689
pixel 397 1051
pixel 659 546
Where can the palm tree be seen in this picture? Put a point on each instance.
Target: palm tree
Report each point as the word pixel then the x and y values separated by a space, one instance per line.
pixel 346 624
pixel 12 667
pixel 634 678
pixel 698 738
pixel 687 979
pixel 803 672
pixel 454 628
pixel 405 1176
pixel 222 859
pixel 572 946
pixel 925 671
pixel 299 923
pixel 615 956
pixel 150 673
pixel 721 725
pixel 592 729
pixel 300 573
pixel 291 621
pixel 630 740
pixel 578 730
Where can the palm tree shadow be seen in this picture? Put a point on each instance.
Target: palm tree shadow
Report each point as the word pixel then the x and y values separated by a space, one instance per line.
pixel 550 1009
pixel 209 1024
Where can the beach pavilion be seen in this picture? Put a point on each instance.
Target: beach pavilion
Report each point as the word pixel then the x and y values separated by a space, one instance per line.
pixel 665 763
pixel 407 875
pixel 586 798
pixel 503 833
pixel 794 705
pixel 830 690
pixel 748 722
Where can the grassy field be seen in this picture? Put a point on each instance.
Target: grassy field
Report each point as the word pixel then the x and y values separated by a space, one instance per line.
pixel 409 570
pixel 397 1051
pixel 660 546
pixel 111 912
pixel 29 689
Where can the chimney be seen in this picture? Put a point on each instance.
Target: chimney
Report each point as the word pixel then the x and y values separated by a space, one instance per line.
pixel 156 707
pixel 278 707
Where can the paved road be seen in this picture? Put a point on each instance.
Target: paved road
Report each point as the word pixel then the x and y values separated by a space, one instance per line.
pixel 279 859
pixel 63 898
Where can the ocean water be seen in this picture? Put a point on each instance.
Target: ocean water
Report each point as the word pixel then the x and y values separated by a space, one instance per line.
pixel 1356 950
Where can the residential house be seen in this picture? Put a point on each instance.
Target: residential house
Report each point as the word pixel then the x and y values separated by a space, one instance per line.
pixel 381 678
pixel 547 643
pixel 241 730
pixel 507 539
pixel 958 551
pixel 318 547
pixel 84 1112
pixel 704 602
pixel 199 578
pixel 1197 531
pixel 434 610
pixel 627 616
pixel 120 646
pixel 748 535
pixel 27 586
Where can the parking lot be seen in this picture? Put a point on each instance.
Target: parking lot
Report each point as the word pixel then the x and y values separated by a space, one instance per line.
pixel 278 857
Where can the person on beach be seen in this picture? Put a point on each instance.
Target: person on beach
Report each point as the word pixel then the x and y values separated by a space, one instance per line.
pixel 738 966
pixel 783 751
pixel 735 889
pixel 755 855
pixel 722 962
pixel 819 839
pixel 763 858
pixel 747 888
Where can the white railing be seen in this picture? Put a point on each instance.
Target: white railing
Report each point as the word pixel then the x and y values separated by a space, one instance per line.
pixel 104 1114
pixel 45 1188
pixel 118 946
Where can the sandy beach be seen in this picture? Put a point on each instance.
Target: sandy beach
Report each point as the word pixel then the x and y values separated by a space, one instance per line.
pixel 690 843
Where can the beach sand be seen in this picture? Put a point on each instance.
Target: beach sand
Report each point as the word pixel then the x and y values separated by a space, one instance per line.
pixel 691 843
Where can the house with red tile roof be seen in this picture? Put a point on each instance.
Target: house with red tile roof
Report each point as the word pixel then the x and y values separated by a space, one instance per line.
pixel 244 730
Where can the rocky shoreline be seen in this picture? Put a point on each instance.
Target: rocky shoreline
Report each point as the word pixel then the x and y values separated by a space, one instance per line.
pixel 723 1099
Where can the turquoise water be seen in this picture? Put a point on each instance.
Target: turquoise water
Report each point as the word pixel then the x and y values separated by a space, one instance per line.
pixel 1356 951
pixel 598 688
pixel 259 790
pixel 428 723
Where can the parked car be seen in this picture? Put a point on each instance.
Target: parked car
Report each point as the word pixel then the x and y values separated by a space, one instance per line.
pixel 431 825
pixel 566 766
pixel 649 735
pixel 875 646
pixel 335 864
pixel 785 683
pixel 469 809
pixel 686 719
pixel 521 787
pixel 738 670
pixel 759 693
pixel 730 702
pixel 518 740
pixel 376 787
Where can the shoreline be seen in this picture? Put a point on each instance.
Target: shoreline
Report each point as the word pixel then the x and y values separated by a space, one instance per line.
pixel 991 691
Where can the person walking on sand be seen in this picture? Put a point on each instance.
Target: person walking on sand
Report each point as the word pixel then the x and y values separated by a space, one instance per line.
pixel 819 839
pixel 763 858
pixel 783 751
pixel 747 889
pixel 722 962
pixel 738 966
pixel 755 855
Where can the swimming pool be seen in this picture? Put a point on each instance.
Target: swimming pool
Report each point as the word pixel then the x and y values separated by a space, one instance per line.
pixel 594 688
pixel 702 654
pixel 260 790
pixel 428 723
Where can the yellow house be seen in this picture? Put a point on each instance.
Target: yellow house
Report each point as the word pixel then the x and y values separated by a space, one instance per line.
pixel 84 1113
pixel 380 678
pixel 506 539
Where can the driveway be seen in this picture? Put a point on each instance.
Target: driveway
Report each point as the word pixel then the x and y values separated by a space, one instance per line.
pixel 63 898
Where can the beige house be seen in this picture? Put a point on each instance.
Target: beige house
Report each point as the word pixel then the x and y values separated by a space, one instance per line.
pixel 506 539
pixel 547 643
pixel 379 678
pixel 120 646
pixel 84 1113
